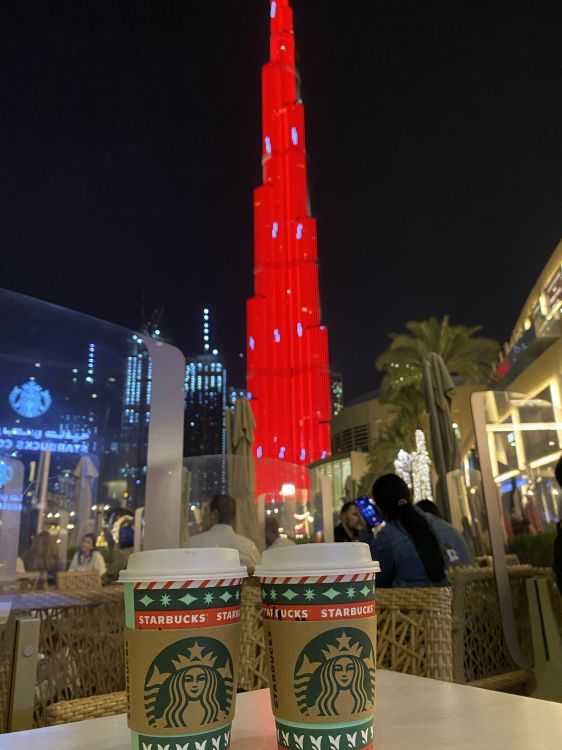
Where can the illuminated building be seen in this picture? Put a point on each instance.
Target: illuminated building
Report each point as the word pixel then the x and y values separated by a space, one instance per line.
pixel 205 400
pixel 287 347
pixel 138 384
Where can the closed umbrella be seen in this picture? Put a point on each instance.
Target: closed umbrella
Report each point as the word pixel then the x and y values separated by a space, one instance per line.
pixel 86 474
pixel 446 454
pixel 241 469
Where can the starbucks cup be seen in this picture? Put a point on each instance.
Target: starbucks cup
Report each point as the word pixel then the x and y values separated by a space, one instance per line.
pixel 182 623
pixel 318 603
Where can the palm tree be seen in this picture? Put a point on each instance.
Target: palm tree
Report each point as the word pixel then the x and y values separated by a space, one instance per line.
pixel 464 354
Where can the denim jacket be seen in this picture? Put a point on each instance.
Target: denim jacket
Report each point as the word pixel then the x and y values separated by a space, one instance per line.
pixel 400 563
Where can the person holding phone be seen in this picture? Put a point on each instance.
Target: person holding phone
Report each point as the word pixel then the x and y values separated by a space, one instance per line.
pixel 413 547
pixel 351 523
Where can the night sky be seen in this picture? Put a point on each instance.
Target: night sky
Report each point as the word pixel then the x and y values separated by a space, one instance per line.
pixel 130 145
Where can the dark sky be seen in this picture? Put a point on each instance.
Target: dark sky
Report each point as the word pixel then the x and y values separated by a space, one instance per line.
pixel 130 145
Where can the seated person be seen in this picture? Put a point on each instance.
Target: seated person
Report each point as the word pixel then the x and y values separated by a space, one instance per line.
pixel 413 547
pixel 218 532
pixel 122 553
pixel 351 523
pixel 272 537
pixel 87 557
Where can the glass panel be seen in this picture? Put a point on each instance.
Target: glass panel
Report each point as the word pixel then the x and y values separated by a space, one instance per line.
pixel 284 495
pixel 74 416
pixel 524 440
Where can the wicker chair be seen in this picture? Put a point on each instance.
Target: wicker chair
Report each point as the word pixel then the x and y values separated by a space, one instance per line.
pixel 79 709
pixel 480 654
pixel 252 672
pixel 78 582
pixel 414 629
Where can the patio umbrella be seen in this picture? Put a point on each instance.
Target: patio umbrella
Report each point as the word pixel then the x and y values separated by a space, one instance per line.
pixel 446 454
pixel 86 474
pixel 241 475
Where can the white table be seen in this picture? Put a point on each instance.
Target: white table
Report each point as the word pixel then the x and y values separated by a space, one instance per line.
pixel 413 713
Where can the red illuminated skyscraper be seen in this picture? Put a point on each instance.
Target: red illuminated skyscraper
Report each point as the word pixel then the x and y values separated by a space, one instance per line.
pixel 288 366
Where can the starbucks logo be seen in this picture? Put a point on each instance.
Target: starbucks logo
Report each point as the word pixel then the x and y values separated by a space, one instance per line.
pixel 189 683
pixel 335 674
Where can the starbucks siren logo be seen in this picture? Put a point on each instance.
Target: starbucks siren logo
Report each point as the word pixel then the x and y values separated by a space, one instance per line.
pixel 6 473
pixel 30 400
pixel 335 674
pixel 189 683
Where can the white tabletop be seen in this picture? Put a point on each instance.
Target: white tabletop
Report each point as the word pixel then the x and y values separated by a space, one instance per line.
pixel 413 713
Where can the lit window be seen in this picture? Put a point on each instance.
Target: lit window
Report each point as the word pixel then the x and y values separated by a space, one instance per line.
pixel 274 230
pixel 294 136
pixel 273 9
pixel 251 343
pixel 299 231
pixel 259 451
pixel 267 144
pixel 276 335
pixel 303 454
pixel 282 452
pixel 299 329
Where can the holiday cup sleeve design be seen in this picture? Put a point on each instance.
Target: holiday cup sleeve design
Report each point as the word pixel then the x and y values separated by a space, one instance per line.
pixel 327 673
pixel 180 605
pixel 181 680
pixel 352 736
pixel 324 601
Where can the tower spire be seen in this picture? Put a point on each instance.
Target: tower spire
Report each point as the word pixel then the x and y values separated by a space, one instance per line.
pixel 288 368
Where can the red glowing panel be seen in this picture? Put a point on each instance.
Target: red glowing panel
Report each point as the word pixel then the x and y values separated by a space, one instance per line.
pixel 288 366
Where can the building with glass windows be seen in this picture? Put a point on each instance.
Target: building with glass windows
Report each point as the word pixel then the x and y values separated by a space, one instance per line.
pixel 523 413
pixel 205 401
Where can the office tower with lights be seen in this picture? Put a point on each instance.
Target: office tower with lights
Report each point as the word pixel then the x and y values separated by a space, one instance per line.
pixel 288 370
pixel 135 414
pixel 205 400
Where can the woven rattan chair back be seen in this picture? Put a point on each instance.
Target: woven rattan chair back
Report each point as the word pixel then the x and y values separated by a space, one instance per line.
pixel 79 582
pixel 480 654
pixel 252 672
pixel 414 631
pixel 94 707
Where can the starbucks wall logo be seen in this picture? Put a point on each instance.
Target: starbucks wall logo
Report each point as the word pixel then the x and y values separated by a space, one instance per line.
pixel 30 400
pixel 189 683
pixel 335 674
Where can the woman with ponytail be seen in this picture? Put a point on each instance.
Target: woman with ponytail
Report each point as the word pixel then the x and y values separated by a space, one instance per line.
pixel 413 546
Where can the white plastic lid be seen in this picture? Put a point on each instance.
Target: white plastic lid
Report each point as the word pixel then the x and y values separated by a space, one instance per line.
pixel 169 564
pixel 317 559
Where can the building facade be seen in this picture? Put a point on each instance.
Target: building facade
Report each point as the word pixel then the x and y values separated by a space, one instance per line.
pixel 359 424
pixel 205 403
pixel 287 346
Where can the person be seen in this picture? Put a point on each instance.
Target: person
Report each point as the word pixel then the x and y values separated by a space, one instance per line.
pixel 414 547
pixel 122 553
pixel 87 557
pixel 272 537
pixel 42 556
pixel 218 531
pixel 452 541
pixel 428 506
pixel 351 523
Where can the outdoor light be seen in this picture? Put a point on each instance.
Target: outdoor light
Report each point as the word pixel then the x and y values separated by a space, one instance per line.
pixel 288 490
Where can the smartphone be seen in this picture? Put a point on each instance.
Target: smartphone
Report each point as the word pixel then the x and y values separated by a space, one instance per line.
pixel 368 511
